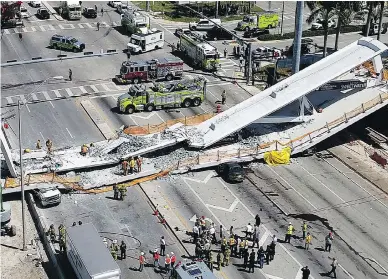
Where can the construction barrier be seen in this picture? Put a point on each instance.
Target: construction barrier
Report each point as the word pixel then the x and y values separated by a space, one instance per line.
pixel 274 158
pixel 151 129
pixel 36 58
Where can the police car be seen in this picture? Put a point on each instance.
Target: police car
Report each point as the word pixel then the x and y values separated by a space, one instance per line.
pixel 66 43
pixel 192 270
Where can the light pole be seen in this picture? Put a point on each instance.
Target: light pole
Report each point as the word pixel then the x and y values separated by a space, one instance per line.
pixel 281 28
pixel 21 160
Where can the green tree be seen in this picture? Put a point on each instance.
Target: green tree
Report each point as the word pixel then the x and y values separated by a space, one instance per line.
pixel 345 11
pixel 324 10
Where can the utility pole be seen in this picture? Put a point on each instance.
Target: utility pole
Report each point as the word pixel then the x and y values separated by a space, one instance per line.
pixel 217 3
pixel 298 37
pixel 281 28
pixel 269 5
pixel 147 6
pixel 22 178
pixel 249 70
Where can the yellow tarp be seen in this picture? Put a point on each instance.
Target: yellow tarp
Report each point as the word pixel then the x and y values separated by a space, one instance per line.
pixel 274 158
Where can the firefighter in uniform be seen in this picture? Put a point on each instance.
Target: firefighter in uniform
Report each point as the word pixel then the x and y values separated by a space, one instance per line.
pixel 220 259
pixel 84 150
pixel 123 250
pixel 227 256
pixel 232 243
pixel 61 230
pixel 114 249
pixel 224 242
pixel 123 192
pixel 210 258
pixel 38 145
pixel 49 145
pixel 51 233
pixel 131 165
pixel 115 192
pixel 242 248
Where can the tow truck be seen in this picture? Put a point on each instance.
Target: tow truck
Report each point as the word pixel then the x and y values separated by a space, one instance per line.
pixel 183 93
pixel 150 70
pixel 200 52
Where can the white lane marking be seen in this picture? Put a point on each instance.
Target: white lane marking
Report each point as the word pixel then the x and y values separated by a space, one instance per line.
pixel 201 200
pixel 230 209
pixel 344 174
pixel 165 28
pixel 264 238
pixel 323 184
pixel 269 276
pixel 105 87
pixel 83 90
pixel 6 31
pixel 145 117
pixel 28 108
pixel 22 98
pixel 46 96
pixel 347 273
pixel 56 91
pixel 206 180
pixel 289 185
pixel 217 99
pixel 51 103
pixel 68 91
pixel 81 25
pixel 9 99
pixel 33 96
pixel 69 133
pixel 376 262
pixel 41 135
pixel 69 26
pixel 94 88
pixel 133 120
pixel 157 114
pixel 219 84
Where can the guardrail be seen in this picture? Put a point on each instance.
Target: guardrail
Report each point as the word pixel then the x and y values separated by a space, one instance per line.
pixel 59 57
pixel 296 143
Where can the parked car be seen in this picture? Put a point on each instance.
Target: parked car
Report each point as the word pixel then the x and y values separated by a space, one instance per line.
pixel 23 13
pixel 66 43
pixel 318 24
pixel 180 31
pixel 361 15
pixel 231 171
pixel 36 4
pixel 204 24
pixel 255 32
pixel 43 13
pixel 306 45
pixel 217 33
pixel 89 12
pixel 114 4
pixel 265 52
pixel 122 8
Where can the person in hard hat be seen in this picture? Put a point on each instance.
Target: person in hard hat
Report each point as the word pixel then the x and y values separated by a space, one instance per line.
pixel 138 163
pixel 304 229
pixel 123 250
pixel 132 165
pixel 123 192
pixel 173 259
pixel 61 231
pixel 49 145
pixel 308 241
pixel 115 192
pixel 38 145
pixel 167 263
pixel 124 166
pixel 84 150
pixel 51 233
pixel 290 231
pixel 156 257
pixel 105 242
pixel 141 261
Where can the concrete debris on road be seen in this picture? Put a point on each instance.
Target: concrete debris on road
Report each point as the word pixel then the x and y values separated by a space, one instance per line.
pixel 167 160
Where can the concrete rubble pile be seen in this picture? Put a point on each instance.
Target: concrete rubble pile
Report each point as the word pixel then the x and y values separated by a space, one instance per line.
pixel 167 160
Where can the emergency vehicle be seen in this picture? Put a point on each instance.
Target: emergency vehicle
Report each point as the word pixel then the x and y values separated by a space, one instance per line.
pixel 155 69
pixel 71 9
pixel 183 93
pixel 140 43
pixel 134 22
pixel 264 20
pixel 200 52
pixel 192 270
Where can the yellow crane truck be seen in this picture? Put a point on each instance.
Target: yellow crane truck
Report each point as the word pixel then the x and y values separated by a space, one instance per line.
pixel 184 93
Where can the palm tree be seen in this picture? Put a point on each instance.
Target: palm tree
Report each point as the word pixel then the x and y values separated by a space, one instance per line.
pixel 371 9
pixel 325 10
pixel 345 11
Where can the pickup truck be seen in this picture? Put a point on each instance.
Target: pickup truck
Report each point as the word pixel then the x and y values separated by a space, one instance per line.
pixel 48 196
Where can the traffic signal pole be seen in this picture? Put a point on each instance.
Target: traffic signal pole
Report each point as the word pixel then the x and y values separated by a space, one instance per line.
pixel 298 37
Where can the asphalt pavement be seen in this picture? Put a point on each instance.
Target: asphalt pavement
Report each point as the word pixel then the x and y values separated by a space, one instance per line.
pixel 131 220
pixel 311 189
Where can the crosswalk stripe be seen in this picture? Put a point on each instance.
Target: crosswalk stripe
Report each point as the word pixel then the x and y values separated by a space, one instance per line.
pixel 33 95
pixel 46 96
pixel 68 91
pixel 56 91
pixel 83 90
pixel 105 87
pixel 94 88
pixel 9 100
pixel 22 98
pixel 6 31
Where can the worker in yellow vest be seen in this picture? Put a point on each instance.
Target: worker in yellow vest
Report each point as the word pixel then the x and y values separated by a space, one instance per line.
pixel 308 241
pixel 232 243
pixel 132 164
pixel 304 229
pixel 290 231
pixel 84 150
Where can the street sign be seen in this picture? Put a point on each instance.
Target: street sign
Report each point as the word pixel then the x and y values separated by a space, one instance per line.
pixel 343 85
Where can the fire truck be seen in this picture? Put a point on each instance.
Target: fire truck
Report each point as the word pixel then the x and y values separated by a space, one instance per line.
pixel 184 93
pixel 136 72
pixel 200 52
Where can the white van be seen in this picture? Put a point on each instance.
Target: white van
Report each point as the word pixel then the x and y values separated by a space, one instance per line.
pixel 139 43
pixel 204 24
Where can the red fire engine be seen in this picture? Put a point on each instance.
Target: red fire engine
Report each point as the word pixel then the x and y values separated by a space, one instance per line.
pixel 155 69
